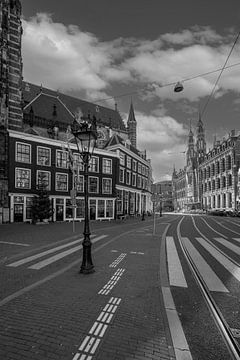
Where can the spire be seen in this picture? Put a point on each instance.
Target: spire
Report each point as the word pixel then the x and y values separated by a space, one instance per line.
pixel 131 115
pixel 132 126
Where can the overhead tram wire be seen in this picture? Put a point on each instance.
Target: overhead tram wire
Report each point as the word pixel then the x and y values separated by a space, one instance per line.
pixel 174 83
pixel 223 68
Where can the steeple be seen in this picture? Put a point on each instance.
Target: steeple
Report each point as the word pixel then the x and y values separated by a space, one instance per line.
pixel 190 149
pixel 201 142
pixel 132 126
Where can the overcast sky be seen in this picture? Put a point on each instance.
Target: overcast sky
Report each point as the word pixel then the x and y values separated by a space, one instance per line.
pixel 123 50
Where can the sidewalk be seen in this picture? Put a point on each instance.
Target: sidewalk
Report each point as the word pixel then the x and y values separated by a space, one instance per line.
pixel 115 313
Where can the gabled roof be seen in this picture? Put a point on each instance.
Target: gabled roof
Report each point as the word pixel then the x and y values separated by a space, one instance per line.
pixel 43 99
pixel 116 140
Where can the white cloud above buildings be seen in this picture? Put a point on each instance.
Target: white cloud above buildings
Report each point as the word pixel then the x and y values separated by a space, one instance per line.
pixel 67 58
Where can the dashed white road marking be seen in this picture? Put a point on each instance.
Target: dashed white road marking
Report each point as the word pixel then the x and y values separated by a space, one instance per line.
pixel 209 276
pixel 97 331
pixel 54 258
pixel 39 255
pixel 223 260
pixel 118 260
pixel 175 271
pixel 112 282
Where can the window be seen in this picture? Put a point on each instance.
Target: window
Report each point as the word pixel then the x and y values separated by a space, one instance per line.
pixel 134 179
pixel 107 166
pixel 68 209
pixel 139 168
pixel 106 186
pixel 134 165
pixel 93 184
pixel 101 206
pixel 79 183
pixel 29 202
pixel 23 153
pixel 77 161
pixel 119 201
pixel 80 209
pixel 61 159
pixel 128 177
pixel 121 175
pixel 44 179
pixel 94 164
pixel 61 182
pixel 22 178
pixel 122 158
pixel 129 162
pixel 109 208
pixel 43 156
pixel 139 182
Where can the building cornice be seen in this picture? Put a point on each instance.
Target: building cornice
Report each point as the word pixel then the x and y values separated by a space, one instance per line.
pixel 53 142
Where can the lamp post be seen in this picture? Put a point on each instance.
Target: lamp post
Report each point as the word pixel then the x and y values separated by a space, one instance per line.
pixel 85 134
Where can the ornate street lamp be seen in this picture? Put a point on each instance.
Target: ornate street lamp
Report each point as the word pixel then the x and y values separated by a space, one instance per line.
pixel 85 134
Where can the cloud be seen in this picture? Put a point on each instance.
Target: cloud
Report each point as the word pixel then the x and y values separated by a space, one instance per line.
pixel 66 57
pixel 164 138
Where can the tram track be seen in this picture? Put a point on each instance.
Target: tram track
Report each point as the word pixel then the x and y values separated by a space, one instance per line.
pixel 221 323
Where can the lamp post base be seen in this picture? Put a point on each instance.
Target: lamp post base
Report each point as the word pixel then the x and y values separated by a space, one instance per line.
pixel 87 266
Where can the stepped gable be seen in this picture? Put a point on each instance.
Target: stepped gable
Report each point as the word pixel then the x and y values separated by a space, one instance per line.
pixel 42 100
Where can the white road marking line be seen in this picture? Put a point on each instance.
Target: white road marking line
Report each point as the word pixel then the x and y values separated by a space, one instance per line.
pixel 175 271
pixel 103 330
pixel 13 243
pixel 93 327
pixel 84 343
pixel 178 337
pixel 76 356
pixel 209 276
pixel 224 261
pixel 59 256
pixel 54 258
pixel 90 343
pixel 94 348
pixel 37 256
pixel 97 330
pixel 109 318
pixel 229 245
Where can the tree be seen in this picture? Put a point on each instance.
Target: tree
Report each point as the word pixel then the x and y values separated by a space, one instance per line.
pixel 41 207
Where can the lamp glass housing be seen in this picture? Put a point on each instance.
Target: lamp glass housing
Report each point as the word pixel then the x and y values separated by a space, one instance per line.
pixel 85 137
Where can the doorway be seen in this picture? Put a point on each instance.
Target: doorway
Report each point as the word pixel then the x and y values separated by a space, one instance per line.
pixel 18 212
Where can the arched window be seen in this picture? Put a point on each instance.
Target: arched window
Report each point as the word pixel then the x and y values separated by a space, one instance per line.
pixel 218 183
pixel 213 169
pixel 208 172
pixel 213 185
pixel 218 167
pixel 223 181
pixel 230 180
pixel 229 162
pixel 223 165
pixel 209 185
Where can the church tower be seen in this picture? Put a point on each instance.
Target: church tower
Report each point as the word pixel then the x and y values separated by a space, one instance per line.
pixel 201 142
pixel 10 64
pixel 132 127
pixel 191 148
